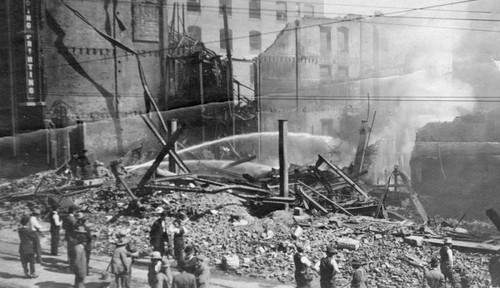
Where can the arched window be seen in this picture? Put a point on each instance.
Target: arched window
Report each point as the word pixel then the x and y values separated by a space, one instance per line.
pixel 254 9
pixel 222 37
pixel 195 32
pixel 343 39
pixel 228 4
pixel 281 11
pixel 308 11
pixel 255 41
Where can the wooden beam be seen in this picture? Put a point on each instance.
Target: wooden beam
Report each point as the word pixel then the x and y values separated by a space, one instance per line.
pixel 325 198
pixel 312 201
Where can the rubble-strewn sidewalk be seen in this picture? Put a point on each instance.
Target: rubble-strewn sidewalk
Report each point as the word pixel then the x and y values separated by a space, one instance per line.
pixel 55 274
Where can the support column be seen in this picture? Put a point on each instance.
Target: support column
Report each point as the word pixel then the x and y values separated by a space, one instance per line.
pixel 171 162
pixel 283 132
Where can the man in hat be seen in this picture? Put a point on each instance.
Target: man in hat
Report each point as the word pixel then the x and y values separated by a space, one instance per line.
pixel 183 279
pixel 447 261
pixel 55 229
pixel 177 231
pixel 433 278
pixel 494 269
pixel 80 264
pixel 36 227
pixel 359 277
pixel 121 261
pixel 328 268
pixel 81 221
pixel 202 271
pixel 303 276
pixel 159 274
pixel 158 235
pixel 69 228
pixel 27 248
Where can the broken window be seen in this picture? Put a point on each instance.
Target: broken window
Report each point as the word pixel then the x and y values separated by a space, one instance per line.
pixel 255 41
pixel 254 9
pixel 194 6
pixel 281 11
pixel 308 11
pixel 195 32
pixel 222 37
pixel 228 4
pixel 343 39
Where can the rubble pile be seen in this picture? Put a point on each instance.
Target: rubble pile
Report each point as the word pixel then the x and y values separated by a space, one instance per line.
pixel 222 229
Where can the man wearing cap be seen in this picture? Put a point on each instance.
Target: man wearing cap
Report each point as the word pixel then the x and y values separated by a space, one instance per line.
pixel 158 235
pixel 433 278
pixel 202 271
pixel 27 248
pixel 328 268
pixel 55 229
pixel 447 261
pixel 303 277
pixel 80 264
pixel 35 226
pixel 189 261
pixel 359 277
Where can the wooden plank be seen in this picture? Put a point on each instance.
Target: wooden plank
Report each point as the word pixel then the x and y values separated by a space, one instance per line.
pixel 462 244
pixel 343 175
pixel 418 206
pixel 325 198
pixel 312 201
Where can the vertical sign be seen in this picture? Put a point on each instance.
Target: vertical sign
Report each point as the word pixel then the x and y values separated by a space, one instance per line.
pixel 29 40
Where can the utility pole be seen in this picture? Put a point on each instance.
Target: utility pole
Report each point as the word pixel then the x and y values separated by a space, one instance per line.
pixel 283 132
pixel 297 23
pixel 229 70
pixel 164 45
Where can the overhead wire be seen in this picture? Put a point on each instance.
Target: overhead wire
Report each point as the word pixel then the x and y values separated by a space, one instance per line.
pixel 334 21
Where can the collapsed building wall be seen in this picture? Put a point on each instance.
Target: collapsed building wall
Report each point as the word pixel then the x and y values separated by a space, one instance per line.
pixel 457 163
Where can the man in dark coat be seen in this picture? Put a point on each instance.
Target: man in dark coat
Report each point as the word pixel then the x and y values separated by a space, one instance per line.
pixel 494 269
pixel 69 228
pixel 359 277
pixel 328 268
pixel 27 248
pixel 184 279
pixel 434 278
pixel 55 228
pixel 189 261
pixel 303 277
pixel 35 226
pixel 81 221
pixel 158 234
pixel 80 262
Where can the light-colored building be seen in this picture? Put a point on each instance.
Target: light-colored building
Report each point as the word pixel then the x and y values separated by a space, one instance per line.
pixel 253 26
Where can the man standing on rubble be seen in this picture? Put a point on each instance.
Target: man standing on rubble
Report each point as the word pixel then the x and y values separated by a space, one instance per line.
pixel 446 261
pixel 158 235
pixel 303 276
pixel 328 268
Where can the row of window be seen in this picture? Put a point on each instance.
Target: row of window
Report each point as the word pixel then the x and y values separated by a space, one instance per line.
pixel 254 9
pixel 254 36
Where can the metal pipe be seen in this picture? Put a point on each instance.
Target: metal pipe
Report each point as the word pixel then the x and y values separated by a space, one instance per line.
pixel 283 132
pixel 171 161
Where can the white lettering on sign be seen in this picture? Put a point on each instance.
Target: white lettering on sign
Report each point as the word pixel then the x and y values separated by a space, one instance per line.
pixel 28 30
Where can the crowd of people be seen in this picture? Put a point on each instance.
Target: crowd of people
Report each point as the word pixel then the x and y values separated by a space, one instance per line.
pixel 167 239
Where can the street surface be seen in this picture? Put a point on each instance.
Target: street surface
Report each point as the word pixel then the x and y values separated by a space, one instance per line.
pixel 54 272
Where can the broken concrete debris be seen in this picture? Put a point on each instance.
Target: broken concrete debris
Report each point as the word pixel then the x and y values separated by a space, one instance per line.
pixel 225 231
